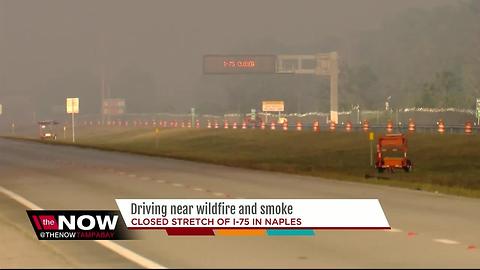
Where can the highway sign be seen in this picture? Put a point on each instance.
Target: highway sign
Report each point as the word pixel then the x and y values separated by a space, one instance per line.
pixel 273 106
pixel 113 106
pixel 238 64
pixel 73 105
pixel 371 136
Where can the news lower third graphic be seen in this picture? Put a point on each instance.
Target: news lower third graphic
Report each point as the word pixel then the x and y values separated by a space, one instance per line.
pixel 211 217
pixel 78 225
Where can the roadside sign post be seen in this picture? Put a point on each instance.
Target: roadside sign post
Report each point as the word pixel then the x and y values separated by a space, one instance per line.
pixel 157 131
pixel 1 109
pixel 73 127
pixel 73 108
pixel 192 111
pixel 371 137
pixel 478 111
pixel 64 132
pixel 13 128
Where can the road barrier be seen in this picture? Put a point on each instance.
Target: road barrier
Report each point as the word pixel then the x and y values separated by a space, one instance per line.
pixel 299 126
pixel 441 127
pixel 273 125
pixel 348 126
pixel 332 126
pixel 316 126
pixel 389 126
pixel 411 126
pixel 469 127
pixel 365 125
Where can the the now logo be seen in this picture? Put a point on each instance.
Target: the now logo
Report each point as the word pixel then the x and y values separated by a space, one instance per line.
pixel 87 222
pixel 78 224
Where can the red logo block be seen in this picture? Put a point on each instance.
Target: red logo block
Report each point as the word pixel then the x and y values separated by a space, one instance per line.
pixel 49 223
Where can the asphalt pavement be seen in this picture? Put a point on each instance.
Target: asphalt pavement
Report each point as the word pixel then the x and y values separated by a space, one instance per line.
pixel 428 229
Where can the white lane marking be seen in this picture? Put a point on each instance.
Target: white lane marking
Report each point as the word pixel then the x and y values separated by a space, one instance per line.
pixel 145 178
pixel 130 255
pixel 160 181
pixel 198 189
pixel 219 194
pixel 122 173
pixel 112 246
pixel 19 199
pixel 132 175
pixel 395 230
pixel 446 241
pixel 178 185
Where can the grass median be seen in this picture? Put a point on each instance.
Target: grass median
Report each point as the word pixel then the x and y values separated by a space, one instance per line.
pixel 448 163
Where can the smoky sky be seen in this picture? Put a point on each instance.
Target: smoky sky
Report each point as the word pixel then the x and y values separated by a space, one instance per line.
pixel 53 49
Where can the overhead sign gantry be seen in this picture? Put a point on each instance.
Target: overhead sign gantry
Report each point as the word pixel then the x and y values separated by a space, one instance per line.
pixel 321 64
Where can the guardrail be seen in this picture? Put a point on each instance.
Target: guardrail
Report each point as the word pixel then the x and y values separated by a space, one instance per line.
pixel 439 127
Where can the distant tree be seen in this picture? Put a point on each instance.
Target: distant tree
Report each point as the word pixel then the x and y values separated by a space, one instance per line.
pixel 359 86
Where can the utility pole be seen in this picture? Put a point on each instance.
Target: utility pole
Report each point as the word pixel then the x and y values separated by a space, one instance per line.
pixel 334 87
pixel 192 111
pixel 73 127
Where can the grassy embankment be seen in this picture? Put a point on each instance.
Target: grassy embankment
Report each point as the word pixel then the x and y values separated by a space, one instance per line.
pixel 444 163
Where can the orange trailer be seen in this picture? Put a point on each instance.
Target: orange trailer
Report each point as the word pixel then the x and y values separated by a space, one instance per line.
pixel 392 153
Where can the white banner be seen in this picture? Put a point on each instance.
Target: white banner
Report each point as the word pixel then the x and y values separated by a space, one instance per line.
pixel 253 213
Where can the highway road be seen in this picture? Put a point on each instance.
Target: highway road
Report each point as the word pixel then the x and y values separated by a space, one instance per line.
pixel 429 230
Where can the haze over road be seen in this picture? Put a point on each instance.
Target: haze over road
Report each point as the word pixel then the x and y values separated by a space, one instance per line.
pixel 429 230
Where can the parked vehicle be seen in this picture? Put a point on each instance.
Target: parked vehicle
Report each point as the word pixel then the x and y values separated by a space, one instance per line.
pixel 46 130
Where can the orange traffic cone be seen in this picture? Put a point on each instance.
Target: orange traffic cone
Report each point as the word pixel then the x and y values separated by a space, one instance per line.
pixel 299 126
pixel 333 126
pixel 348 126
pixel 389 126
pixel 411 126
pixel 441 127
pixel 273 126
pixel 468 128
pixel 316 126
pixel 365 125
